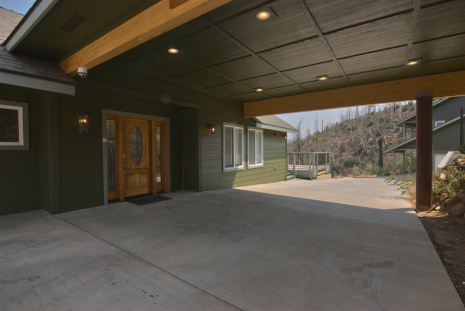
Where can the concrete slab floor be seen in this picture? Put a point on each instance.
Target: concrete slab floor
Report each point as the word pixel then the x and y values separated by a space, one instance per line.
pixel 346 244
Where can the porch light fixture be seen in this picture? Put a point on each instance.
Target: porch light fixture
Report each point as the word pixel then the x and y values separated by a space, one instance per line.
pixel 173 51
pixel 263 15
pixel 322 78
pixel 259 89
pixel 413 62
pixel 284 136
pixel 211 128
pixel 82 122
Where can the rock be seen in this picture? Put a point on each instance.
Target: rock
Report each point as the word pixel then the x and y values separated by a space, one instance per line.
pixel 458 209
pixel 442 177
pixel 454 200
pixel 461 195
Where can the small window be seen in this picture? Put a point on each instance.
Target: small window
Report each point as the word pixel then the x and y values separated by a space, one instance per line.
pixel 233 147
pixel 437 123
pixel 255 148
pixel 13 126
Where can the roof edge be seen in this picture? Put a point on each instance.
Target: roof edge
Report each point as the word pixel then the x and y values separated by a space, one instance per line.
pixel 29 21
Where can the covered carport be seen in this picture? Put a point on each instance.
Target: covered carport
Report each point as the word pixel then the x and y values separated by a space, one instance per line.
pixel 274 56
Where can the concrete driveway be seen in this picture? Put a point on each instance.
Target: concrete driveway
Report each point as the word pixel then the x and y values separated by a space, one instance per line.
pixel 346 244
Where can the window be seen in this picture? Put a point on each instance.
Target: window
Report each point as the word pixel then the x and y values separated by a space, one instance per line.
pixel 255 148
pixel 437 123
pixel 233 147
pixel 13 126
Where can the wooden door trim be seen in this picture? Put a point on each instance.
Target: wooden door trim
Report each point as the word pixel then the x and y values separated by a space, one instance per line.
pixel 108 112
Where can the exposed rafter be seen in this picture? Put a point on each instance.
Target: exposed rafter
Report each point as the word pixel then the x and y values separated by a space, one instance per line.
pixel 145 26
pixel 443 85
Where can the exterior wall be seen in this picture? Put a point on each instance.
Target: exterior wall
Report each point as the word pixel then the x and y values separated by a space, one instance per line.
pixel 449 110
pixel 211 154
pixel 63 171
pixel 20 174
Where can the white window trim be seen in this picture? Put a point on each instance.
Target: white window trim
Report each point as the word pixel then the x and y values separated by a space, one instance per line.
pixel 254 129
pixel 236 168
pixel 436 123
pixel 23 127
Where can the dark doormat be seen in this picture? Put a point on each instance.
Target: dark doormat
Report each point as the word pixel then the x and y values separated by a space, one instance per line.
pixel 148 200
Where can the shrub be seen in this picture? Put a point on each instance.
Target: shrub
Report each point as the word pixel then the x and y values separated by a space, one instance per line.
pixel 355 171
pixel 382 171
pixel 404 184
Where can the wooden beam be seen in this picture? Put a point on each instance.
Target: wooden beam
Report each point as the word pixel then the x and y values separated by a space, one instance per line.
pixel 143 27
pixel 443 85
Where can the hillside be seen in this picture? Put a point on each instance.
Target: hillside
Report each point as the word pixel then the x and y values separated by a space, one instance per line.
pixel 354 140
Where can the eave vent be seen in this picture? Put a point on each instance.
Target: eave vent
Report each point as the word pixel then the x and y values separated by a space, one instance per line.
pixel 73 22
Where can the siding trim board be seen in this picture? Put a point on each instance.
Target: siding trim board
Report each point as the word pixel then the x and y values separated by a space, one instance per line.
pixel 106 112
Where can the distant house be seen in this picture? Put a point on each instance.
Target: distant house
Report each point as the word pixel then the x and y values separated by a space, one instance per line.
pixel 446 129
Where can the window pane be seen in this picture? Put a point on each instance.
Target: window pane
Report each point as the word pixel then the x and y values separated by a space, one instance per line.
pixel 237 147
pixel 136 145
pixel 9 121
pixel 259 147
pixel 228 147
pixel 252 147
pixel 159 154
pixel 111 155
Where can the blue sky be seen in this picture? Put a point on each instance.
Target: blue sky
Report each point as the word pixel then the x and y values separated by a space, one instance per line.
pixel 18 6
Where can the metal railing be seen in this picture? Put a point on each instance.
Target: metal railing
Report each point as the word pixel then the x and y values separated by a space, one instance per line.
pixel 309 164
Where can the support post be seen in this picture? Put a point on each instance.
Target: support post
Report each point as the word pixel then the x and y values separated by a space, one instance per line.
pixel 424 150
pixel 293 164
pixel 404 132
pixel 411 161
pixel 393 162
pixel 461 126
pixel 404 161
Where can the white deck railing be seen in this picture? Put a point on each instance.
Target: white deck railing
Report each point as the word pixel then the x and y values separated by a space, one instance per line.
pixel 309 164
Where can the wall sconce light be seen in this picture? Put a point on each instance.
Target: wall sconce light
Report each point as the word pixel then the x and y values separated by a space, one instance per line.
pixel 82 122
pixel 211 128
pixel 285 136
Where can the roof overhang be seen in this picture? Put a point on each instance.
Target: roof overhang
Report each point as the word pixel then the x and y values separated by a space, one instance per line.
pixel 276 128
pixel 34 16
pixel 36 83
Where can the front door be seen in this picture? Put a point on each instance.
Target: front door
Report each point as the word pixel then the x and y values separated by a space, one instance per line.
pixel 136 156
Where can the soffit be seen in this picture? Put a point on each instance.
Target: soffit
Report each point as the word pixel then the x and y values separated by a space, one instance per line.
pixel 229 53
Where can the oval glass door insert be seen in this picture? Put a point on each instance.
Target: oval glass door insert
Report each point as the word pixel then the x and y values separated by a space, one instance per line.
pixel 136 145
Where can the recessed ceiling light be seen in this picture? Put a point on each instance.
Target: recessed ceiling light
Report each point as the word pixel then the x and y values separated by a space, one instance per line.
pixel 322 78
pixel 259 89
pixel 414 62
pixel 263 15
pixel 173 51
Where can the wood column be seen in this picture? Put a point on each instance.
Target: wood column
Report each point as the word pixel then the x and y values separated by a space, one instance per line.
pixel 404 161
pixel 393 162
pixel 424 150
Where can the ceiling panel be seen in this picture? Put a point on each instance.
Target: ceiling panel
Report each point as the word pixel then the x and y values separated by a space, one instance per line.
pixel 310 73
pixel 180 32
pixel 331 15
pixel 376 76
pixel 333 83
pixel 244 68
pixel 230 89
pixel 49 42
pixel 250 97
pixel 440 20
pixel 436 67
pixel 374 61
pixel 383 34
pixel 203 78
pixel 296 55
pixel 288 25
pixel 235 8
pixel 268 82
pixel 439 49
pixel 285 91
pixel 164 63
pixel 209 47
